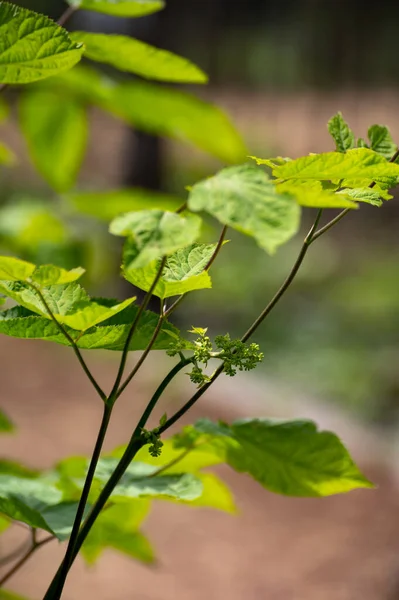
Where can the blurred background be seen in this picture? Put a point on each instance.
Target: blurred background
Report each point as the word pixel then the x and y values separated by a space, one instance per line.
pixel 280 71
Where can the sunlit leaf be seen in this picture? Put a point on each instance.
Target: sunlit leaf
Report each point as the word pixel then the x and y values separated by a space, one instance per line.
pixel 183 271
pixel 246 199
pixel 108 205
pixel 368 195
pixel 381 141
pixel 131 55
pixel 46 275
pixel 120 8
pixel 341 133
pixel 154 233
pixel 14 269
pixel 33 47
pixel 311 193
pixel 286 457
pixel 56 135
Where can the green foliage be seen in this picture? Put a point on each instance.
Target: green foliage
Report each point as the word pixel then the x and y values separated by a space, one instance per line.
pixel 56 135
pixel 246 199
pixel 130 55
pixel 120 8
pixel 108 205
pixel 286 457
pixel 33 47
pixel 7 156
pixel 184 271
pixel 381 141
pixel 6 426
pixel 157 110
pixel 153 234
pixel 341 133
pixel 5 595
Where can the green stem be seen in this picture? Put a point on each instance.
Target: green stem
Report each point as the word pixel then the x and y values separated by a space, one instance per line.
pixel 85 495
pixel 217 249
pixel 71 342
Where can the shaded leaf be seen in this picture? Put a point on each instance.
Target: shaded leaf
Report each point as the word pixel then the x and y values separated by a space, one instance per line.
pixel 9 467
pixel 6 426
pixel 46 275
pixel 368 195
pixel 108 205
pixel 154 233
pixel 4 525
pixel 247 200
pixel 120 8
pixel 183 272
pixel 110 334
pixel 56 135
pixel 381 141
pixel 33 47
pixel 341 133
pixel 7 156
pixel 286 457
pixel 359 163
pixel 133 56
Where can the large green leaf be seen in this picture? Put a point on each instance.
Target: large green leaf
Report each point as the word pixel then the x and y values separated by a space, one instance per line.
pixel 120 8
pixel 183 271
pixel 33 47
pixel 311 193
pixel 69 303
pixel 108 205
pixel 246 199
pixel 291 458
pixel 117 528
pixel 16 270
pixel 6 426
pixel 131 55
pixel 110 334
pixel 158 110
pixel 56 135
pixel 368 195
pixel 359 163
pixel 341 133
pixel 381 141
pixel 154 233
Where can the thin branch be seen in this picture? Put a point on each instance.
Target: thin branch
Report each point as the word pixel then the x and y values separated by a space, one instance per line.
pixel 217 249
pixel 173 306
pixel 70 11
pixel 72 342
pixel 35 545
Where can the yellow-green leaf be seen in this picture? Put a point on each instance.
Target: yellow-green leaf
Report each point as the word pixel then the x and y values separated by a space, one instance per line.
pixel 120 8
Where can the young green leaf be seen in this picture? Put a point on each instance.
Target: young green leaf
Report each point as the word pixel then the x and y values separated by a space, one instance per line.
pixel 56 135
pixel 286 457
pixel 183 271
pixel 246 199
pixel 5 595
pixel 14 269
pixel 120 8
pixel 46 275
pixel 110 334
pixel 7 156
pixel 311 193
pixel 216 494
pixel 368 195
pixel 157 110
pixel 359 163
pixel 133 56
pixel 117 528
pixel 381 141
pixel 33 47
pixel 341 133
pixel 6 426
pixel 109 204
pixel 154 233
pixel 4 525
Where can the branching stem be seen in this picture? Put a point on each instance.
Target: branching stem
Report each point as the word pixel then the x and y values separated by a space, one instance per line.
pixel 35 545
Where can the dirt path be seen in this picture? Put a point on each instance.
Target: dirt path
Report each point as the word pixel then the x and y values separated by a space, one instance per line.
pixel 342 548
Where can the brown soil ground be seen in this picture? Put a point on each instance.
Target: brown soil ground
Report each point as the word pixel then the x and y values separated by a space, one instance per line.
pixel 341 548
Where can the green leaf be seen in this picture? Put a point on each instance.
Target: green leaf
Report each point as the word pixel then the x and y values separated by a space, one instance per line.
pixel 120 8
pixel 133 56
pixel 158 110
pixel 110 334
pixel 246 199
pixel 5 595
pixel 368 195
pixel 14 269
pixel 361 143
pixel 6 426
pixel 108 205
pixel 56 135
pixel 291 458
pixel 9 467
pixel 216 494
pixel 46 275
pixel 358 184
pixel 183 272
pixel 33 47
pixel 154 233
pixel 341 133
pixel 4 525
pixel 360 163
pixel 69 303
pixel 117 528
pixel 311 193
pixel 381 141
pixel 7 156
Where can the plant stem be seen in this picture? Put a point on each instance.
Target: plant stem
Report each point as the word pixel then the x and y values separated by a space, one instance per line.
pixel 217 249
pixel 35 545
pixel 86 490
pixel 66 15
pixel 72 342
pixel 114 392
